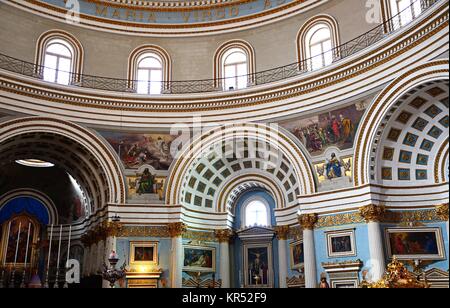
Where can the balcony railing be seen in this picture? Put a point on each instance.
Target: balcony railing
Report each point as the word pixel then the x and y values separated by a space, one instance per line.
pixel 259 78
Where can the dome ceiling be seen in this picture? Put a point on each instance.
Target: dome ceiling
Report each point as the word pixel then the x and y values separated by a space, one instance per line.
pixel 139 16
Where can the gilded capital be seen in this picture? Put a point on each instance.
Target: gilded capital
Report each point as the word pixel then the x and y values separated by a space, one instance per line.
pixel 372 212
pixel 176 229
pixel 113 228
pixel 223 235
pixel 282 232
pixel 442 211
pixel 307 221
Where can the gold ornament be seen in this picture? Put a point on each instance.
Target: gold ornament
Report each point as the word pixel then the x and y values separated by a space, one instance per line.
pixel 223 235
pixel 372 212
pixel 282 232
pixel 396 276
pixel 307 221
pixel 176 229
pixel 442 211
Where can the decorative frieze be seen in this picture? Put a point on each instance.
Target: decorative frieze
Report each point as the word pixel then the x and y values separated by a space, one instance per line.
pixel 307 221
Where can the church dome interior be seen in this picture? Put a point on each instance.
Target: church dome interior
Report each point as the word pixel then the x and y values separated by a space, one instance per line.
pixel 249 144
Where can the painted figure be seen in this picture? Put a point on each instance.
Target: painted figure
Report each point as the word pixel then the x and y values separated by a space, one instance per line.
pixel 146 183
pixel 333 167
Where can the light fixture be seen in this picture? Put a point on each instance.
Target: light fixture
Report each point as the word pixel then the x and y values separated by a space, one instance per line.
pixel 34 163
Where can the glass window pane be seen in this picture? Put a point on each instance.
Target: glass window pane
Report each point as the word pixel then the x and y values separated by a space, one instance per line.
pixel 49 74
pixel 50 61
pixel 64 65
pixel 63 77
pixel 59 49
pixel 149 62
pixel 236 57
pixel 316 50
pixel 320 35
pixel 155 82
pixel 256 214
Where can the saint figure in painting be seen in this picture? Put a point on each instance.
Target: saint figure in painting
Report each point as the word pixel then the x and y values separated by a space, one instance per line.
pixel 146 183
pixel 333 167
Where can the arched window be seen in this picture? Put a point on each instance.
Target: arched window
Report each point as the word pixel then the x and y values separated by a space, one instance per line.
pixel 235 69
pixel 149 74
pixel 234 64
pixel 256 214
pixel 59 57
pixel 319 51
pixel 407 10
pixel 149 70
pixel 317 40
pixel 58 62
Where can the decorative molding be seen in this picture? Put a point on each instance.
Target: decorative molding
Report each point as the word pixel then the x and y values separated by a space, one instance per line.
pixel 307 221
pixel 372 212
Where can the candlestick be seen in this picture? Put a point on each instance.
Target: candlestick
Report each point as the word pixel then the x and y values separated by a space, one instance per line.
pixel 59 254
pixel 13 276
pixel 22 285
pixel 66 285
pixel 49 254
pixel 5 255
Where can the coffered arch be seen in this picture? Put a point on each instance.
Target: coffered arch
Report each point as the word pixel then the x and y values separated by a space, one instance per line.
pixel 90 161
pixel 368 131
pixel 209 167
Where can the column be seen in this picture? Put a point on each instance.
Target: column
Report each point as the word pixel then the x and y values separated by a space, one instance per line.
pixel 224 237
pixel 282 233
pixel 442 213
pixel 112 230
pixel 85 260
pixel 176 231
pixel 373 214
pixel 307 222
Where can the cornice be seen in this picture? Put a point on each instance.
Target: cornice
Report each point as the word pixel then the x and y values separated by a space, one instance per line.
pixel 265 98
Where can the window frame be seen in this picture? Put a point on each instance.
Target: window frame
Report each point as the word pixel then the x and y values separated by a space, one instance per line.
pixel 149 71
pixel 244 209
pixel 58 41
pixel 235 66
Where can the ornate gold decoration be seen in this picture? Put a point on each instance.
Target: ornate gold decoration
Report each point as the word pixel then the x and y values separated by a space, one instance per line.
pixel 282 232
pixel 372 212
pixel 442 211
pixel 176 229
pixel 396 276
pixel 307 221
pixel 146 231
pixel 223 235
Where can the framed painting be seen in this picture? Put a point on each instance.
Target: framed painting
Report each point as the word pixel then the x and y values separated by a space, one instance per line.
pixel 258 265
pixel 297 254
pixel 341 243
pixel 415 243
pixel 143 253
pixel 199 258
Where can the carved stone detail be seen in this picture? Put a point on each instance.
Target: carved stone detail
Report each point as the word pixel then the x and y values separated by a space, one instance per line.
pixel 223 235
pixel 307 221
pixel 282 232
pixel 372 212
pixel 176 229
pixel 442 211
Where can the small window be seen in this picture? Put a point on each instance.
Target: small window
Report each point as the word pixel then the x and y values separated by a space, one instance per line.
pixel 256 214
pixel 319 46
pixel 407 10
pixel 149 74
pixel 58 62
pixel 235 69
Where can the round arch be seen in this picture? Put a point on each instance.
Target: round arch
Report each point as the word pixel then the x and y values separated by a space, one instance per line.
pixel 97 164
pixel 271 135
pixel 367 131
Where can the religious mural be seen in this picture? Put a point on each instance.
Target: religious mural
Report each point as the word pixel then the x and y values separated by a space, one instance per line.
pixel 334 128
pixel 334 167
pixel 136 150
pixel 297 255
pixel 258 266
pixel 21 231
pixel 199 259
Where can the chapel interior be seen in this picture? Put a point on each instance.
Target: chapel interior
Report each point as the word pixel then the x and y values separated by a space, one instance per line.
pixel 224 144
